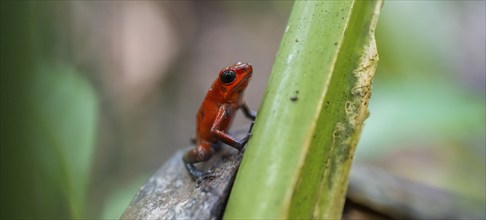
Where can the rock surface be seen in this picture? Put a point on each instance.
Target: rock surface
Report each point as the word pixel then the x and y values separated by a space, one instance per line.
pixel 171 193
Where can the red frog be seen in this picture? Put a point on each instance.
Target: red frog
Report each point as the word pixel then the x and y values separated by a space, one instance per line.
pixel 216 113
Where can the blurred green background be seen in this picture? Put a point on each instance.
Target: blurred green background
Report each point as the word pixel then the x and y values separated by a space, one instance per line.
pixel 95 96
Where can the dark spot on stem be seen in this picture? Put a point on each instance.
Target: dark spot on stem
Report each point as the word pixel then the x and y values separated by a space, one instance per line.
pixel 295 97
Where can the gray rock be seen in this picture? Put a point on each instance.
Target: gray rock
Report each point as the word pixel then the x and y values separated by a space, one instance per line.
pixel 171 193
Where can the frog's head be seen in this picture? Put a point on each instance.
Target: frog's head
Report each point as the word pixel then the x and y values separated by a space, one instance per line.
pixel 234 79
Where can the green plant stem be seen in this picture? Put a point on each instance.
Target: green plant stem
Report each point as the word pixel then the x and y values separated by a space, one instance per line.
pixel 297 162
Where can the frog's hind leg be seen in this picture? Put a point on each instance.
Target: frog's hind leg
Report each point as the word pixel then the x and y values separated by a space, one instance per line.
pixel 200 153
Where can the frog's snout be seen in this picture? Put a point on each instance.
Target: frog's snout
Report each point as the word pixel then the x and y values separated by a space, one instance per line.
pixel 245 67
pixel 249 68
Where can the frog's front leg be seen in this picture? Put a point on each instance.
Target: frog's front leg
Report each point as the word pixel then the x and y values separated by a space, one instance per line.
pixel 223 115
pixel 200 153
pixel 247 112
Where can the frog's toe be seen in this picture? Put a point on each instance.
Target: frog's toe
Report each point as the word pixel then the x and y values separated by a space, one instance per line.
pixel 205 176
pixel 193 172
pixel 209 175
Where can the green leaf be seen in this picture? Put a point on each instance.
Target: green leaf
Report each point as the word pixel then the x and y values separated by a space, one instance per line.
pixel 120 196
pixel 297 162
pixel 63 109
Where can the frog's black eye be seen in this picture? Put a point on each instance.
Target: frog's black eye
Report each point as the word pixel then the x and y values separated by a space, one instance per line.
pixel 227 76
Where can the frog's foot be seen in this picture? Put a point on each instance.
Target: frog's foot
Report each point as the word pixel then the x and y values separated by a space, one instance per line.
pixel 205 176
pixel 193 172
pixel 242 143
pixel 198 175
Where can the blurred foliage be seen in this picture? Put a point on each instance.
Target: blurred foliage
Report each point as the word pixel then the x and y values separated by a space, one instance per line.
pixel 49 116
pixel 120 197
pixel 63 110
pixel 16 61
pixel 428 109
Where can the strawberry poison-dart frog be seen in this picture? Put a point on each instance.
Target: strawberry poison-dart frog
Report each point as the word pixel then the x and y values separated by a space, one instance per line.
pixel 216 113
